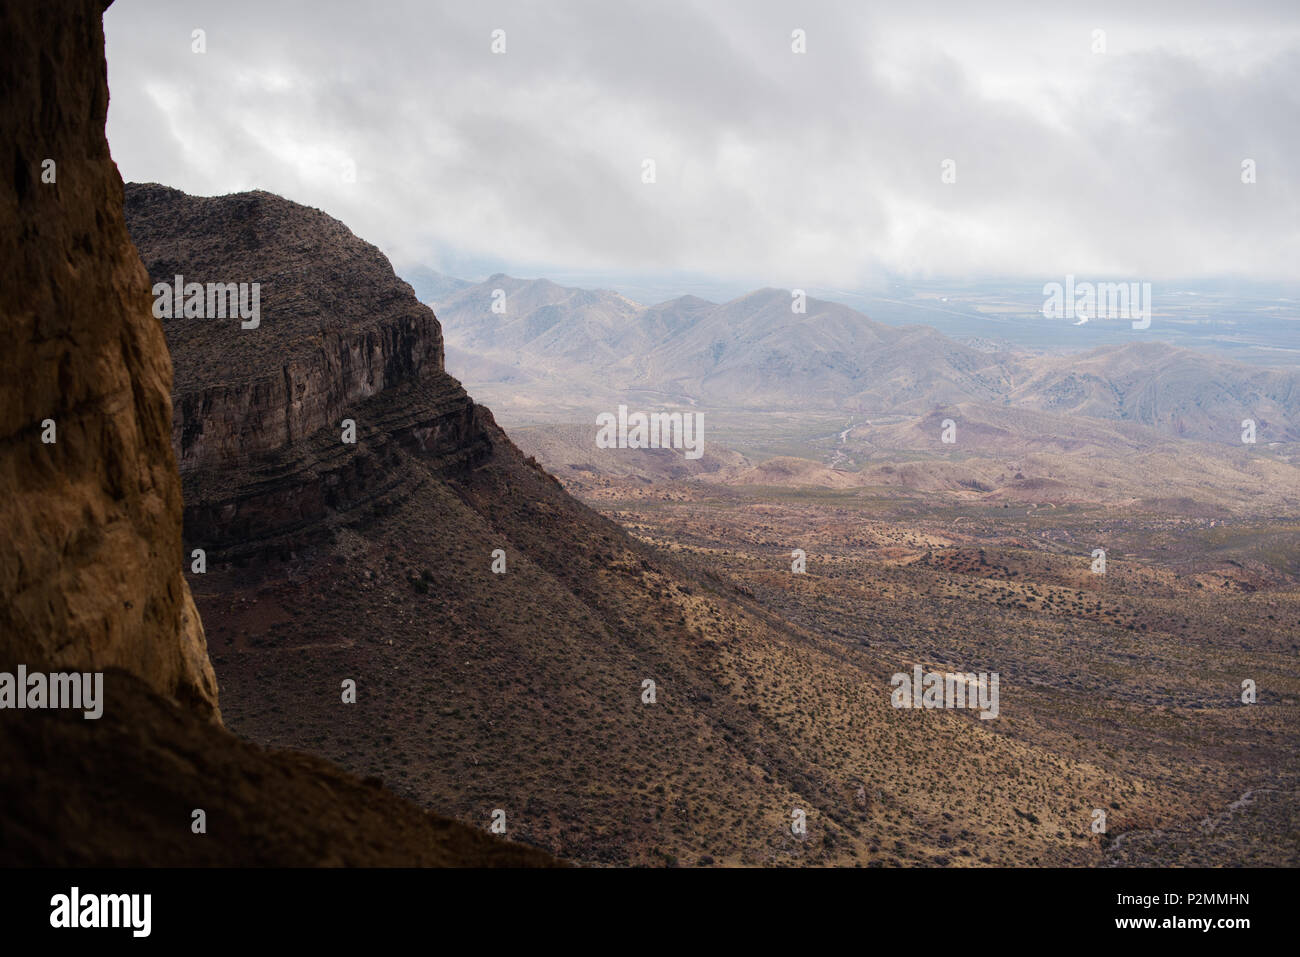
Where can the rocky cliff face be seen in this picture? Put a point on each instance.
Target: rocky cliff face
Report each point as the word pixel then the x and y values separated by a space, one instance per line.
pixel 340 324
pixel 90 568
pixel 260 403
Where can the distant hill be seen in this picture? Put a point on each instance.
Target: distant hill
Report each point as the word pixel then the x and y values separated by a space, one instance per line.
pixel 577 350
pixel 1177 391
pixel 431 285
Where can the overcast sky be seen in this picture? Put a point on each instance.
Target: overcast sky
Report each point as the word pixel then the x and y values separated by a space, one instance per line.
pixel 771 167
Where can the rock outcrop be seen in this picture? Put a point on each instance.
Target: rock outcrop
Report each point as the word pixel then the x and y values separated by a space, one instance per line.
pixel 342 327
pixel 90 568
pixel 259 405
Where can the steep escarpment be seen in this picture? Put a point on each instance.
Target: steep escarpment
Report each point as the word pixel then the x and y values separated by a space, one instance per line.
pixel 260 404
pixel 90 569
pixel 90 561
pixel 336 340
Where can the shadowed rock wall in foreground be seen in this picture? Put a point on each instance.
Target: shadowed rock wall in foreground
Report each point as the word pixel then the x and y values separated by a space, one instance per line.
pixel 90 569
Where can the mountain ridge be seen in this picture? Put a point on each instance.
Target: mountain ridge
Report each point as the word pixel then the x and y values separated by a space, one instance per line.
pixel 752 353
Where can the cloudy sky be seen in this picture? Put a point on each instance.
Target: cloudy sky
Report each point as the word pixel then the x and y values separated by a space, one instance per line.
pixel 771 167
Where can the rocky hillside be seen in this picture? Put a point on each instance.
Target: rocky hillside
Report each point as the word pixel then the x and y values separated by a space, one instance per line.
pixel 258 412
pixel 369 335
pixel 90 566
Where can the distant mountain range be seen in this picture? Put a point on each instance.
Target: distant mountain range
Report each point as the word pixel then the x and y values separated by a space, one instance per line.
pixel 574 350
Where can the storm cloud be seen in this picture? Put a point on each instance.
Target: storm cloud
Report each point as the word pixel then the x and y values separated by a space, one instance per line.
pixel 780 167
